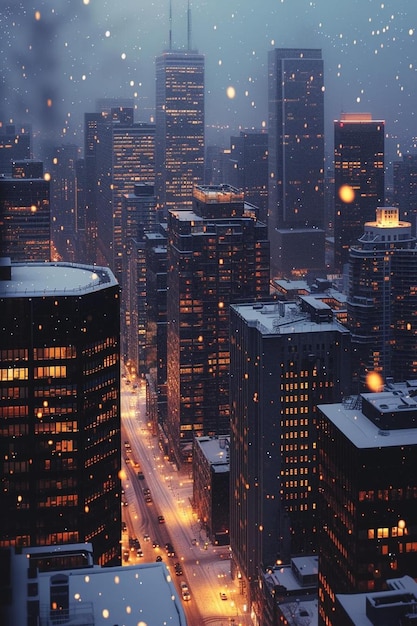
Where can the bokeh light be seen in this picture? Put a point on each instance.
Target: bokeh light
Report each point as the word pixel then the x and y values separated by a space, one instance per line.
pixel 374 381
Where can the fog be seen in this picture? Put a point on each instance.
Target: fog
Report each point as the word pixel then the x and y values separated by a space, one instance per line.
pixel 58 56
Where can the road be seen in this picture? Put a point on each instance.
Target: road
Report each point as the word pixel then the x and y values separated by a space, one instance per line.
pixel 206 568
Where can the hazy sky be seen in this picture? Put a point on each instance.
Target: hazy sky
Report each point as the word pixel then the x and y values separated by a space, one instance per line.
pixel 72 51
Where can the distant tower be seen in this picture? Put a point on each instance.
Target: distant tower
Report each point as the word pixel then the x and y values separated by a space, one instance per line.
pixel 15 145
pixel 359 178
pixel 382 299
pixel 64 206
pixel 367 450
pixel 218 253
pixel 249 167
pixel 296 161
pixel 405 188
pixel 179 147
pixel 25 217
pixel 284 359
pixel 59 408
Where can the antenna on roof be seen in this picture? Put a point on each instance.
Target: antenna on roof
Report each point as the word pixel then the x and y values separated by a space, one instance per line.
pixel 170 24
pixel 188 26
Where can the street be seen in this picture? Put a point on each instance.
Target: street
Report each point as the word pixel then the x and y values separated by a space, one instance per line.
pixel 214 597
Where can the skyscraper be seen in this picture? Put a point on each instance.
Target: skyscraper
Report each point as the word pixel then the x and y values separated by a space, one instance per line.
pixel 179 141
pixel 367 499
pixel 382 299
pixel 25 218
pixel 59 408
pixel 217 254
pixel 249 167
pixel 405 188
pixel 15 145
pixel 64 207
pixel 359 178
pixel 296 160
pixel 284 359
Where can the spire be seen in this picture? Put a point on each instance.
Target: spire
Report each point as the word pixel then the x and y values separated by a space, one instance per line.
pixel 170 24
pixel 188 26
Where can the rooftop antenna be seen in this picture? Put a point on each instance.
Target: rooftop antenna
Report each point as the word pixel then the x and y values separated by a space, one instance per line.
pixel 170 24
pixel 189 26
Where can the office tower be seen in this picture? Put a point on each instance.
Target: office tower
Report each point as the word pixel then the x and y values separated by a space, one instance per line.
pixel 156 332
pixel 217 254
pixel 285 358
pixel 64 206
pixel 368 486
pixel 25 220
pixel 382 299
pixel 249 167
pixel 217 165
pixel 59 413
pixel 358 178
pixel 139 216
pixel 296 161
pixel 211 487
pixel 179 140
pixel 91 140
pixel 125 155
pixel 15 145
pixel 405 188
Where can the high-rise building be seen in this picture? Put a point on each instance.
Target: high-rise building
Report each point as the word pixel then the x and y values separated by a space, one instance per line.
pixel 382 299
pixel 249 167
pixel 139 216
pixel 64 208
pixel 59 407
pixel 217 254
pixel 296 161
pixel 367 498
pixel 359 179
pixel 179 141
pixel 15 145
pixel 25 219
pixel 284 359
pixel 405 188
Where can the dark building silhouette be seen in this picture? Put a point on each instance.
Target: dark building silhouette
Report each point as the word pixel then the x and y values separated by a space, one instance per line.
pixel 296 161
pixel 15 145
pixel 382 299
pixel 217 254
pixel 284 359
pixel 367 497
pixel 359 178
pixel 60 413
pixel 156 332
pixel 64 201
pixel 25 217
pixel 179 140
pixel 249 167
pixel 405 188
pixel 139 216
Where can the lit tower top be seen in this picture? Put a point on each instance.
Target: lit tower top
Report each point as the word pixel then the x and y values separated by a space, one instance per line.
pixel 387 229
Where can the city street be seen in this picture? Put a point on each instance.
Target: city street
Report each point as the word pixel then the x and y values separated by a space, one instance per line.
pixel 214 597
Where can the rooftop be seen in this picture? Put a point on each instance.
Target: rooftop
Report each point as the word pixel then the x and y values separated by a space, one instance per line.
pixel 48 279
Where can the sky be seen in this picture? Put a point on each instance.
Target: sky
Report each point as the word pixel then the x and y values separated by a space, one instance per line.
pixel 58 56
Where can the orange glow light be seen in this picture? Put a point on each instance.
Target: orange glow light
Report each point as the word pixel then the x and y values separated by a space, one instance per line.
pixel 346 194
pixel 374 381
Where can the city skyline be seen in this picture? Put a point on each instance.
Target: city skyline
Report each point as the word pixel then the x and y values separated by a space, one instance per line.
pixel 63 55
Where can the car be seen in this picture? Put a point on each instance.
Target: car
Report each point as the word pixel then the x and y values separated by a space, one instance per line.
pixel 186 595
pixel 155 544
pixel 125 503
pixel 124 527
pixel 146 538
pixel 178 569
pixel 139 553
pixel 183 585
pixel 125 555
pixel 161 519
pixel 170 549
pixel 148 499
pixel 223 596
pixel 141 476
pixel 127 444
pixel 158 558
pixel 146 491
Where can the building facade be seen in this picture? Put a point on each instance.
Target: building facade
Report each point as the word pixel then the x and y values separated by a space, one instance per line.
pixel 296 160
pixel 382 299
pixel 217 254
pixel 25 216
pixel 59 407
pixel 359 178
pixel 179 140
pixel 284 359
pixel 367 496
